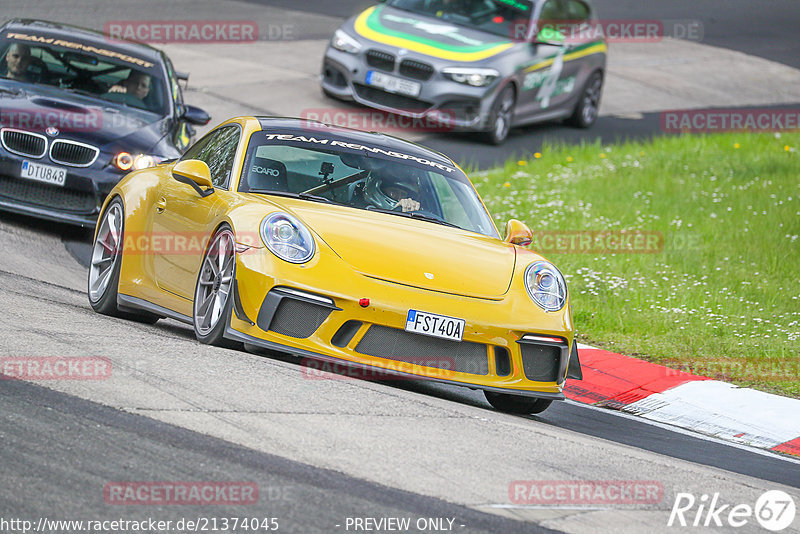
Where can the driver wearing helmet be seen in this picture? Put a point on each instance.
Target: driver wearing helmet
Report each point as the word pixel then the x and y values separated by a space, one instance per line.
pixel 389 193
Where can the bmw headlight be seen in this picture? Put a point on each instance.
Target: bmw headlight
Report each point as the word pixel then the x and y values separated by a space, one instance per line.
pixel 125 161
pixel 345 43
pixel 287 238
pixel 546 286
pixel 471 76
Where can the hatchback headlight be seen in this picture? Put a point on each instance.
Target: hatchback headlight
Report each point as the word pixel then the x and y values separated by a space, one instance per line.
pixel 345 43
pixel 287 238
pixel 546 286
pixel 471 76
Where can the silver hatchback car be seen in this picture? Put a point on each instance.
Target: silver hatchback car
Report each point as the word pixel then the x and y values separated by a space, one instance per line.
pixel 471 65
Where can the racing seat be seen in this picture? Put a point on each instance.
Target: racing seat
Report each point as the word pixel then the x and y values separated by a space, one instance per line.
pixel 267 174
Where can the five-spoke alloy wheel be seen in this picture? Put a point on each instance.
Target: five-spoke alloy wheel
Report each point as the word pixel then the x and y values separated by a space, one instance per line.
pixel 213 292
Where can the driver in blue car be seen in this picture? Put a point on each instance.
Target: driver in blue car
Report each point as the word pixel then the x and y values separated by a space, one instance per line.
pixel 137 85
pixel 17 60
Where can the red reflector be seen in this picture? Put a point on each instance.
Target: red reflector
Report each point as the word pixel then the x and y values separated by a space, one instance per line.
pixel 498 19
pixel 363 302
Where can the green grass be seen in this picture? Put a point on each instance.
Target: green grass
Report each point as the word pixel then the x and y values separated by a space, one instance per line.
pixel 722 295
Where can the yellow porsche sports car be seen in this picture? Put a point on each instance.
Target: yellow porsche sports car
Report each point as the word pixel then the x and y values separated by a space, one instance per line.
pixel 338 246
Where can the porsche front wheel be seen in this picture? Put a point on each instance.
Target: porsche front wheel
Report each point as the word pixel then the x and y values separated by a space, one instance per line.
pixel 518 404
pixel 212 295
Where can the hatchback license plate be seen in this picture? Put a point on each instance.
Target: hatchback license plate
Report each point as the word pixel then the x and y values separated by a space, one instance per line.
pixel 393 84
pixel 48 174
pixel 430 324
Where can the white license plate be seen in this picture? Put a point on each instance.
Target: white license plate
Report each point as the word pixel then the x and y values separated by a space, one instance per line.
pixel 434 325
pixel 48 174
pixel 393 84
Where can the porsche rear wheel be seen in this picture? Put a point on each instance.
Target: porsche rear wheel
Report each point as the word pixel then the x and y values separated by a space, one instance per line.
pixel 212 294
pixel 518 404
pixel 106 264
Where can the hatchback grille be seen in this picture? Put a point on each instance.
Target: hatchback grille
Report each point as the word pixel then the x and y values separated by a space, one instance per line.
pixel 24 143
pixel 399 345
pixel 380 60
pixel 416 69
pixel 73 153
pixel 297 318
pixel 391 100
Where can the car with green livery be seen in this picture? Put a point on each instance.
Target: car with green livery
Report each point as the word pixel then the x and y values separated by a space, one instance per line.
pixel 471 65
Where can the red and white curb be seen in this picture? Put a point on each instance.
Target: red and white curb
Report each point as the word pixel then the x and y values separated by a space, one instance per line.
pixel 693 402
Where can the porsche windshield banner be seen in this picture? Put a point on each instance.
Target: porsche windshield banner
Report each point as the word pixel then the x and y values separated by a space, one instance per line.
pixel 89 49
pixel 357 147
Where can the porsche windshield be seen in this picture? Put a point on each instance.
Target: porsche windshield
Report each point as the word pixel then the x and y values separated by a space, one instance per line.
pixel 363 177
pixel 85 68
pixel 507 18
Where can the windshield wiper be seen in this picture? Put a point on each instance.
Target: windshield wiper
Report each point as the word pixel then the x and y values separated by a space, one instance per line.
pixel 416 215
pixel 301 196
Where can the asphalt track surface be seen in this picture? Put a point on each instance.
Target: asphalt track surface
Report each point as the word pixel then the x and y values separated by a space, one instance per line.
pixel 59 449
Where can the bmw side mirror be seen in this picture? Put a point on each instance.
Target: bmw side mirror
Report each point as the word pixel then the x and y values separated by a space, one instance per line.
pixel 195 115
pixel 518 233
pixel 196 174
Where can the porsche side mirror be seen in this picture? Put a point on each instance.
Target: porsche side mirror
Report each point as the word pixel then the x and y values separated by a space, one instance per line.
pixel 517 233
pixel 195 173
pixel 195 115
pixel 549 36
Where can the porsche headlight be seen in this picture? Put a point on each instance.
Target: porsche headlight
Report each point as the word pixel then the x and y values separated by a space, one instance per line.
pixel 126 162
pixel 471 76
pixel 287 238
pixel 546 286
pixel 345 43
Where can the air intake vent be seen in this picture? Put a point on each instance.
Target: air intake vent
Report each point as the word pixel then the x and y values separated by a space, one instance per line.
pixel 73 153
pixel 297 318
pixel 24 143
pixel 541 362
pixel 395 344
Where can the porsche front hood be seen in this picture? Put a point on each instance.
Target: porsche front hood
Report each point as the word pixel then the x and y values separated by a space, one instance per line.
pixel 413 252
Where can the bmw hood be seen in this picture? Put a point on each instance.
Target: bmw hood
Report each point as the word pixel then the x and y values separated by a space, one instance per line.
pixel 81 118
pixel 413 252
pixel 428 35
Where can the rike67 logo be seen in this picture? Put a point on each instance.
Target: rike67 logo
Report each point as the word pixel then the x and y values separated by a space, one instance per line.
pixel 774 510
